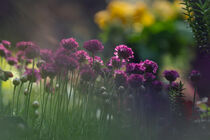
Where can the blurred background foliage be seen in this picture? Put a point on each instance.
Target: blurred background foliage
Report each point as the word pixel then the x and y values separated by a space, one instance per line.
pixel 155 30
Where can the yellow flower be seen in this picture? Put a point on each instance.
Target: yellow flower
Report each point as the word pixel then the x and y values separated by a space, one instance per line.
pixel 148 19
pixel 102 18
pixel 142 17
pixel 164 10
pixel 121 10
pixel 140 9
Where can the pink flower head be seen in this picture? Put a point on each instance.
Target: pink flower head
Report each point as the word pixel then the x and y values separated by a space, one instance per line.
pixel 3 51
pixel 32 51
pixel 171 75
pixel 82 56
pixel 123 52
pixel 6 44
pixel 87 75
pixel 150 66
pixel 149 77
pixel 135 68
pixel 69 44
pixel 32 75
pixel 12 61
pixel 115 62
pixel 93 46
pixel 97 63
pixel 20 56
pixel 46 55
pixel 72 64
pixel 97 59
pixel 48 70
pixel 135 80
pixel 22 45
pixel 195 76
pixel 63 51
pixel 61 61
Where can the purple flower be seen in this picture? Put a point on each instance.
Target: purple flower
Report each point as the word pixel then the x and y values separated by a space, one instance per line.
pixel 72 64
pixel 12 61
pixel 61 61
pixel 93 46
pixel 32 51
pixel 20 56
pixel 195 76
pixel 115 62
pixel 48 70
pixel 157 85
pixel 120 78
pixel 6 44
pixel 81 55
pixel 135 68
pixel 149 77
pixel 123 52
pixel 87 75
pixel 22 45
pixel 69 44
pixel 32 75
pixel 97 59
pixel 171 75
pixel 3 51
pixel 98 63
pixel 135 80
pixel 150 66
pixel 46 55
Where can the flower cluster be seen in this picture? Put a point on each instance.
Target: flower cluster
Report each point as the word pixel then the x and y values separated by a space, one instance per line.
pixel 70 78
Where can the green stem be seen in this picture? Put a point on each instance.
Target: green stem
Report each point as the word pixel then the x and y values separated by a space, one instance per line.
pixel 13 100
pixel 194 100
pixel 18 97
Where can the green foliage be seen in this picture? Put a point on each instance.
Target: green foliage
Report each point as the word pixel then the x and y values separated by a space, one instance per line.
pixel 198 17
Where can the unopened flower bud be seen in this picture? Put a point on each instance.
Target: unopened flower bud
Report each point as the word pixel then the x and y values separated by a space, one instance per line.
pixel 16 81
pixel 121 89
pixel 36 113
pixel 104 94
pixel 24 78
pixel 26 92
pixel 57 86
pixel 102 89
pixel 35 104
